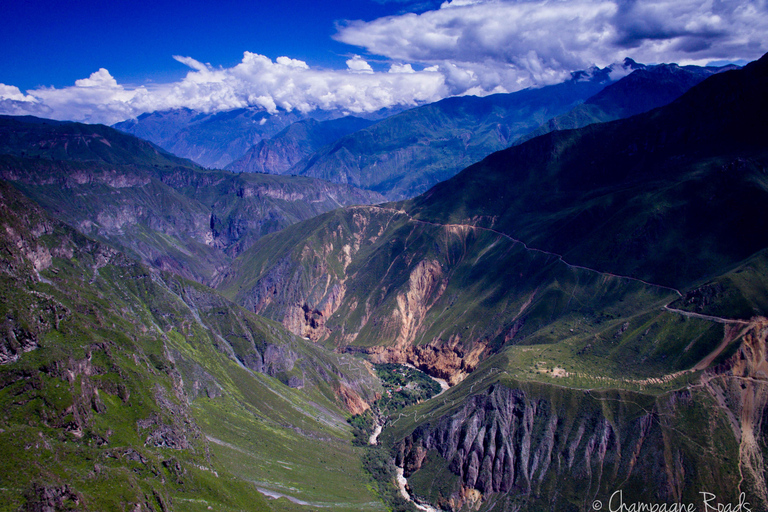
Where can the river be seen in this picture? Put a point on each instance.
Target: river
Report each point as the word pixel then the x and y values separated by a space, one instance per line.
pixel 375 436
pixel 402 483
pixel 443 383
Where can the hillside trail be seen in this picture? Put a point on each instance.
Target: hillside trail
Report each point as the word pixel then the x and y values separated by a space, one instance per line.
pixel 750 453
pixel 728 338
pixel 571 265
pixel 525 246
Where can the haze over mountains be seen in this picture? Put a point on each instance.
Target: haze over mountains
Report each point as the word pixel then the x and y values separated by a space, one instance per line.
pixel 403 155
pixel 216 140
pixel 596 297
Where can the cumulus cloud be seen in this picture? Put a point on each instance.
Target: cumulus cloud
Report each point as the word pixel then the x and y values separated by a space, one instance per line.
pixel 359 65
pixel 11 92
pixel 285 83
pixel 403 68
pixel 461 47
pixel 487 44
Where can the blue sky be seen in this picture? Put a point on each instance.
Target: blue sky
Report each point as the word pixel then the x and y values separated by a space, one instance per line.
pixel 54 43
pixel 107 61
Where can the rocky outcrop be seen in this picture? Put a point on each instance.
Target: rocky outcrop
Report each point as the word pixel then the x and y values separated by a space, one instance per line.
pixel 510 441
pixel 352 401
pixel 519 439
pixel 740 387
pixel 505 439
pixel 449 361
pixel 426 284
pixel 51 498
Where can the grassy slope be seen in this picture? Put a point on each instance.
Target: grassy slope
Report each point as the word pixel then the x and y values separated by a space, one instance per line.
pixel 124 352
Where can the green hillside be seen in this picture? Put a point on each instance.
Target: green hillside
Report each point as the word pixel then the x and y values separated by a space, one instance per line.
pixel 161 209
pixel 125 387
pixel 33 137
pixel 596 296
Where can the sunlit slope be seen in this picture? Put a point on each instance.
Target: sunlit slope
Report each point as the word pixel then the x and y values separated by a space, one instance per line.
pixel 123 386
pixel 164 210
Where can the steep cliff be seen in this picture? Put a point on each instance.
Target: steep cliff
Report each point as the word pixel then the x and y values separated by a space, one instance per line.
pixel 442 298
pixel 531 445
pixel 117 376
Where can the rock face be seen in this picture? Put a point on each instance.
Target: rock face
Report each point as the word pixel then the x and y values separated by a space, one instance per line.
pixel 517 439
pixel 49 498
pixel 162 209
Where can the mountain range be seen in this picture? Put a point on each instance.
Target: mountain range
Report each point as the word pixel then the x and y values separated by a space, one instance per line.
pixel 596 298
pixel 280 153
pixel 405 154
pixel 621 256
pixel 164 210
pixel 214 140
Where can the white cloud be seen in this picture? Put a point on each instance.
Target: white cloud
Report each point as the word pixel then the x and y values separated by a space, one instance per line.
pixel 256 81
pixel 358 65
pixel 463 47
pixel 11 92
pixel 482 44
pixel 100 78
pixel 402 68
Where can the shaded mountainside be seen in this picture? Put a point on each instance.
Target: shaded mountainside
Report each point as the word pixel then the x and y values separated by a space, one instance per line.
pixel 406 154
pixel 670 196
pixel 127 388
pixel 280 153
pixel 565 229
pixel 642 90
pixel 33 137
pixel 175 217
